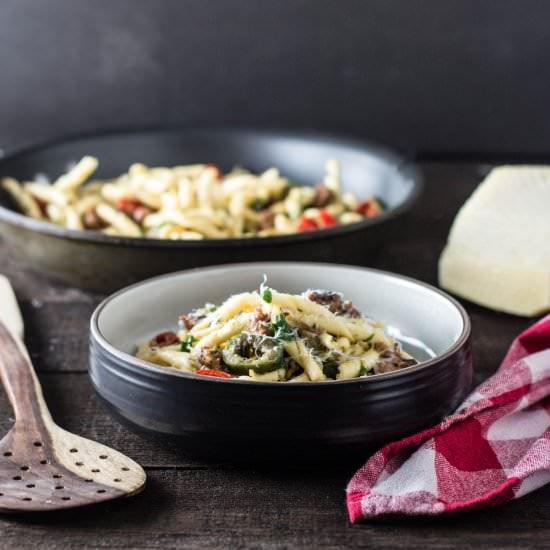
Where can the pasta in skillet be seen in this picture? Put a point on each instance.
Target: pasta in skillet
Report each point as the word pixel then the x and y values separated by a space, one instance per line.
pixel 272 336
pixel 189 202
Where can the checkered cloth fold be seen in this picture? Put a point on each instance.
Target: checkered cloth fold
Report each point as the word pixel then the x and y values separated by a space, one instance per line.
pixel 494 448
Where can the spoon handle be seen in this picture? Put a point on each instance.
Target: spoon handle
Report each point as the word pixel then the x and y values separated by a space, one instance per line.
pixel 16 371
pixel 9 311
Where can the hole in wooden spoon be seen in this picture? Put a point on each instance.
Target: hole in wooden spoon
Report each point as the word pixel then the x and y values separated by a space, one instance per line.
pixel 79 463
pixel 100 490
pixel 88 480
pixel 31 485
pixel 17 478
pixel 73 450
pixel 59 487
pixel 24 468
pixel 117 479
pixel 65 498
pixel 125 469
pixel 103 457
pixel 57 476
pixel 27 498
pixel 95 470
pixel 8 453
pixel 44 461
pixel 37 443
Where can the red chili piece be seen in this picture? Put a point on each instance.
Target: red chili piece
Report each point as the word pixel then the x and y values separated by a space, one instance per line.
pixel 368 208
pixel 165 339
pixel 219 173
pixel 128 205
pixel 306 224
pixel 327 218
pixel 212 372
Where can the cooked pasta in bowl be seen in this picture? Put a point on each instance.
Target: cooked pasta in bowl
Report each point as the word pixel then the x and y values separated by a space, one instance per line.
pixel 273 336
pixel 190 202
pixel 281 372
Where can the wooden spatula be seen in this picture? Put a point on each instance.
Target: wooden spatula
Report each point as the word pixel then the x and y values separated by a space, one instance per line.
pixel 42 466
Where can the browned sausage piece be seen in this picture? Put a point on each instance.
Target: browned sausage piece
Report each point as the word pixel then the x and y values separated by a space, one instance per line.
pixel 91 220
pixel 322 197
pixel 164 339
pixel 334 302
pixel 210 358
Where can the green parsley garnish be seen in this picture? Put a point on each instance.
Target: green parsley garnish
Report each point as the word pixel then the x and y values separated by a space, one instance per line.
pixel 188 343
pixel 280 329
pixel 362 371
pixel 267 296
pixel 369 338
pixel 265 291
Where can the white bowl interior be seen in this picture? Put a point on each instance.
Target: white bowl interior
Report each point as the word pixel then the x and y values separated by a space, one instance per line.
pixel 426 321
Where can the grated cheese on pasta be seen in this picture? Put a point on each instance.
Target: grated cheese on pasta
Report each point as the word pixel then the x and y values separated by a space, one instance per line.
pixel 189 202
pixel 272 336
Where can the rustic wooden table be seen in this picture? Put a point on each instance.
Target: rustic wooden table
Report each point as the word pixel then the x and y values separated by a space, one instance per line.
pixel 189 503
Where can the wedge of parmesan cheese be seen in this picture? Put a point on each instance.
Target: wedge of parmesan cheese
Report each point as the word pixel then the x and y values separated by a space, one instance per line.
pixel 498 250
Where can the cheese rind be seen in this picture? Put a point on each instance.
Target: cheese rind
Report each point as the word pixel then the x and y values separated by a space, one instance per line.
pixel 498 251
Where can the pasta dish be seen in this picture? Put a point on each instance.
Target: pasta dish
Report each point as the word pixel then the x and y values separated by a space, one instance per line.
pixel 189 202
pixel 272 336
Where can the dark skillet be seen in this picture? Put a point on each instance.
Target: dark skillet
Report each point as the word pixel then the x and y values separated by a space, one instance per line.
pixel 99 262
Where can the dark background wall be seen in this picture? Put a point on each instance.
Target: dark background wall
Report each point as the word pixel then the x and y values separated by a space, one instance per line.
pixel 422 75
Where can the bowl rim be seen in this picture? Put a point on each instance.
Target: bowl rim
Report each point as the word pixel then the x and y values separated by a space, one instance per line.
pixel 129 360
pixel 405 168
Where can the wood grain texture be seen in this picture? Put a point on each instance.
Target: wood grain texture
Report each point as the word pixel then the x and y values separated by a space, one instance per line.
pixel 42 466
pixel 269 510
pixel 192 504
pixel 75 407
pixel 60 346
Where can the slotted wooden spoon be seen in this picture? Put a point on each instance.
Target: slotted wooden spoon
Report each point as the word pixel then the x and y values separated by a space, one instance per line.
pixel 42 466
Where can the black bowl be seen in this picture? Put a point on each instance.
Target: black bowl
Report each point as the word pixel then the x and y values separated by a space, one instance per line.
pixel 104 263
pixel 288 422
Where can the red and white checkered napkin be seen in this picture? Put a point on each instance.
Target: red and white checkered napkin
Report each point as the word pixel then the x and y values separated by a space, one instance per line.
pixel 495 448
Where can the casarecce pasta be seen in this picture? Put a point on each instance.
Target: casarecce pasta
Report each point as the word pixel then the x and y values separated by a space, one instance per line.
pixel 272 336
pixel 189 202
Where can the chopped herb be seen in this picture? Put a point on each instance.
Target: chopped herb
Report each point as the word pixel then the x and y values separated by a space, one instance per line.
pixel 280 329
pixel 382 204
pixel 362 371
pixel 265 291
pixel 267 296
pixel 369 338
pixel 188 343
pixel 330 369
pixel 258 205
